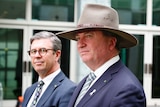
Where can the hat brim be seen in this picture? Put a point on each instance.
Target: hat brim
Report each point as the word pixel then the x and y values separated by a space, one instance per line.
pixel 126 40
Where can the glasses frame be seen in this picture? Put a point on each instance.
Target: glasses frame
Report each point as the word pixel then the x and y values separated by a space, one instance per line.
pixel 39 52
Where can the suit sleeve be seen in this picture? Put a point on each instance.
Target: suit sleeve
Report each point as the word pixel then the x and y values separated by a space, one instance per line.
pixel 25 101
pixel 64 100
pixel 130 96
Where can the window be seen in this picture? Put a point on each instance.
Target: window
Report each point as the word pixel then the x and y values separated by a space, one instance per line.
pixel 133 10
pixel 156 13
pixel 53 10
pixel 12 9
pixel 11 44
pixel 155 68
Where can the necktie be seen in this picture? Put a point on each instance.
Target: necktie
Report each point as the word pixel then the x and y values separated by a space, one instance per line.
pixel 88 82
pixel 38 92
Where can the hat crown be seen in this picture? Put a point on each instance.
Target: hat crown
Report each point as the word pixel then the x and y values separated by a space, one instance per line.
pixel 103 16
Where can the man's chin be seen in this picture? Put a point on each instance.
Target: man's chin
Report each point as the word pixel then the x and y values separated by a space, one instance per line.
pixel 39 70
pixel 85 60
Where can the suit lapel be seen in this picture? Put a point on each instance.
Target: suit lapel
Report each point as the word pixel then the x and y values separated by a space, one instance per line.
pixel 56 82
pixel 100 83
pixel 76 92
pixel 29 93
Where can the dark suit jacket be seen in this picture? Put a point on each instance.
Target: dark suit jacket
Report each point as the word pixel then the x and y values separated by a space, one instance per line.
pixel 57 94
pixel 117 87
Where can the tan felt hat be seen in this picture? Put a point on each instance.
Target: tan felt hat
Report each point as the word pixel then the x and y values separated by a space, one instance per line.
pixel 100 17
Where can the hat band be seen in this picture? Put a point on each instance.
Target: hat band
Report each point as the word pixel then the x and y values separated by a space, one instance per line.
pixel 89 25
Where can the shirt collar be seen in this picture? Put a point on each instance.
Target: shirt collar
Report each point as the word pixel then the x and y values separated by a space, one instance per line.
pixel 105 66
pixel 47 80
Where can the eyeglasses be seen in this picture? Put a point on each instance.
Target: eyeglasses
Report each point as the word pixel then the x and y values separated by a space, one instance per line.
pixel 41 52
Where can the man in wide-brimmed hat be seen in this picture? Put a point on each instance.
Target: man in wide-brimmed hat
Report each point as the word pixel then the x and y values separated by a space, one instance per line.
pixel 99 40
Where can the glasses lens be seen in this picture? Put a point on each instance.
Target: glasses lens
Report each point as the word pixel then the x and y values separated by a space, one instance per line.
pixel 42 51
pixel 32 52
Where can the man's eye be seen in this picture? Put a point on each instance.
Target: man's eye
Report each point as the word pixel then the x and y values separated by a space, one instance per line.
pixel 43 50
pixel 33 51
pixel 88 35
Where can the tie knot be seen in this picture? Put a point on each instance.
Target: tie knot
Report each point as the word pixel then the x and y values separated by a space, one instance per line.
pixel 91 76
pixel 40 83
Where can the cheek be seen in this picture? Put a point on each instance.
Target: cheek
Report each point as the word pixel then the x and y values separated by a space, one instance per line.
pixel 32 61
pixel 51 60
pixel 101 49
pixel 94 47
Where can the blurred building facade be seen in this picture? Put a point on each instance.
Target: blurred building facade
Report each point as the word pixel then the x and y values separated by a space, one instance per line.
pixel 20 19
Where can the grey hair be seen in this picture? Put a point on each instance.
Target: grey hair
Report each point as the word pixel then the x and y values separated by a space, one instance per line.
pixel 57 45
pixel 114 35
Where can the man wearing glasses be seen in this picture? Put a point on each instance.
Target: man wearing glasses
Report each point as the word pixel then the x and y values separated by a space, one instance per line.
pixel 53 88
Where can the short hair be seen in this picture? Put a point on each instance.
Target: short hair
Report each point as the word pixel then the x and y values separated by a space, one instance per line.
pixel 105 33
pixel 57 45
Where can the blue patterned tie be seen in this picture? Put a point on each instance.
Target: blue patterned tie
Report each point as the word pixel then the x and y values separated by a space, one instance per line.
pixel 88 82
pixel 38 92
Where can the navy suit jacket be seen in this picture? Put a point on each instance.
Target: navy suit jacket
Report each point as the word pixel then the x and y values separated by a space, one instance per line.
pixel 57 94
pixel 117 87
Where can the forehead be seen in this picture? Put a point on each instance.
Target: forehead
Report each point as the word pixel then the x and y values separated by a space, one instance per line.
pixel 39 43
